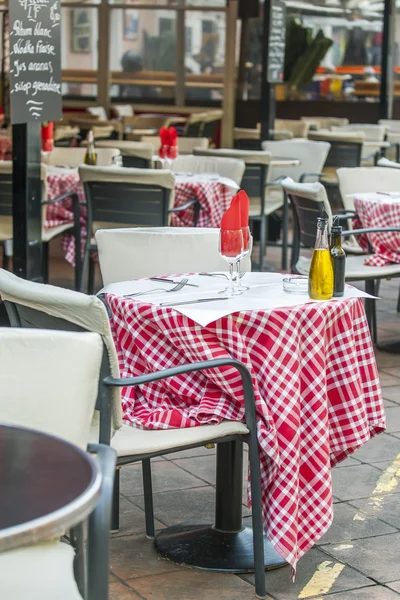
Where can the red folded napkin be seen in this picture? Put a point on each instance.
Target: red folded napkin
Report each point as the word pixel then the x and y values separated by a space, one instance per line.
pixel 244 202
pixel 231 238
pixel 173 143
pixel 164 143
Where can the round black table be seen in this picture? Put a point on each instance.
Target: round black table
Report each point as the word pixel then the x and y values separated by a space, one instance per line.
pixel 47 486
pixel 226 545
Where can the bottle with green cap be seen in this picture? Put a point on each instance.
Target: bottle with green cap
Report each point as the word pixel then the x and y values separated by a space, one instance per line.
pixel 338 257
pixel 320 279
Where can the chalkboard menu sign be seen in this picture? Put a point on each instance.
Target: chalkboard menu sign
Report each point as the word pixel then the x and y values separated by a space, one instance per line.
pixel 276 46
pixel 35 63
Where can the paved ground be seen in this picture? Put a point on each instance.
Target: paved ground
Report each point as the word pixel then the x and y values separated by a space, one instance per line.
pixel 358 558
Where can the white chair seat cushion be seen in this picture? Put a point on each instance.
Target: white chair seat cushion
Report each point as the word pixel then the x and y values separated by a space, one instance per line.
pixel 273 202
pixel 355 268
pixel 41 572
pixel 131 441
pixel 52 232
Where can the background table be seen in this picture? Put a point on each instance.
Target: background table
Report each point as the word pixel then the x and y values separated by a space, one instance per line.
pixel 213 196
pixel 317 396
pixel 47 486
pixel 380 210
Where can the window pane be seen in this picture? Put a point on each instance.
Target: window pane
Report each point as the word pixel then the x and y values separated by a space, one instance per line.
pixel 204 55
pixel 79 51
pixel 143 53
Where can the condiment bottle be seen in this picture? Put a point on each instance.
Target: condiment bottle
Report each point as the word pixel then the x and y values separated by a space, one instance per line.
pixel 320 282
pixel 91 155
pixel 338 257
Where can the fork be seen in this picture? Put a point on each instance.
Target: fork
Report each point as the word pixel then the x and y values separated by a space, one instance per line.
pixel 176 288
pixel 241 274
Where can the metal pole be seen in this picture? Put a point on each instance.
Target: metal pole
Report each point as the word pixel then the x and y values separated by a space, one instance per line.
pixel 228 103
pixel 386 61
pixel 103 68
pixel 228 501
pixel 27 209
pixel 268 102
pixel 180 58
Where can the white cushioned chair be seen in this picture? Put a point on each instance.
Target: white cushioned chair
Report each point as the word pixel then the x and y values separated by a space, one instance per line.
pixel 134 154
pixel 372 133
pixel 168 250
pixel 233 168
pixel 125 197
pixel 59 400
pixel 384 162
pixel 48 234
pixel 32 304
pixel 325 122
pixel 299 129
pixel 73 157
pixel 310 201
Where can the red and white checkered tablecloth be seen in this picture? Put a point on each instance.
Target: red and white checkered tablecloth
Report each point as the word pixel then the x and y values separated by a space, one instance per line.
pixel 60 213
pixel 214 198
pixel 377 210
pixel 317 393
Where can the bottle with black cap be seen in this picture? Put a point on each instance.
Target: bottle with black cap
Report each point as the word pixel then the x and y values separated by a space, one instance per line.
pixel 338 256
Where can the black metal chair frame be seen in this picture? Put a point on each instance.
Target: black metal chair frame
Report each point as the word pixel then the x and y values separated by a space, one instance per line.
pixel 123 196
pixel 135 162
pixel 22 316
pixel 307 240
pixel 6 210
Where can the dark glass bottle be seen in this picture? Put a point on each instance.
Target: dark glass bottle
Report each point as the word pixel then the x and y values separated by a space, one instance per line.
pixel 338 256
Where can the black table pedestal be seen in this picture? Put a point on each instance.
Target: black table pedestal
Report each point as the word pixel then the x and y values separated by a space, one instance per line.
pixel 226 546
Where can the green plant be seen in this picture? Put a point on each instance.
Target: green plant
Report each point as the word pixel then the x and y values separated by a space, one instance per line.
pixel 303 53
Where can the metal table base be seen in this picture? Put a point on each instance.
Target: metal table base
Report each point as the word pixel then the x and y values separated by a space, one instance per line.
pixel 226 546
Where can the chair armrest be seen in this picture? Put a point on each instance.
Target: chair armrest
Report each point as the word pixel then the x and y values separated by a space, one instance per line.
pixel 276 181
pixel 304 176
pixel 370 230
pixel 184 206
pixel 248 391
pixel 62 197
pixel 100 524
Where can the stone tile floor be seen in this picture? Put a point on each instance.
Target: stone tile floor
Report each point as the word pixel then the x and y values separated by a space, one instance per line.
pixel 357 559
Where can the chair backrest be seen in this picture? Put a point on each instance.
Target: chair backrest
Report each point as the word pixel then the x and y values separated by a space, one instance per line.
pixel 247 139
pixel 373 133
pixel 299 129
pixel 211 124
pixel 308 201
pixel 226 167
pixel 98 111
pixel 73 157
pixel 49 381
pixel 256 173
pixel 364 180
pixel 312 156
pixel 126 197
pixel 195 125
pixel 39 306
pixel 126 254
pixel 185 144
pixel 346 147
pixel 136 155
pixel 123 110
pixel 6 177
pixel 325 122
pixel 6 200
pixel 385 162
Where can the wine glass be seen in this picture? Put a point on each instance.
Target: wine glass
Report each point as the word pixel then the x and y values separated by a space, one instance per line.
pixel 231 249
pixel 246 250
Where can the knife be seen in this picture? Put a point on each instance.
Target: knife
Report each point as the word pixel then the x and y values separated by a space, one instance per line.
pixel 199 301
pixel 171 281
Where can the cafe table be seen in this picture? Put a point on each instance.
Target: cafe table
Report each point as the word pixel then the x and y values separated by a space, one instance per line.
pixel 317 394
pixel 47 486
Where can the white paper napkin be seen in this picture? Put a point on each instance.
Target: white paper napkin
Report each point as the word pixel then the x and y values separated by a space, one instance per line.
pixel 266 292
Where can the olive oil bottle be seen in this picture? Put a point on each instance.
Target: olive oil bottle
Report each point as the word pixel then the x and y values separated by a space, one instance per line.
pixel 91 155
pixel 320 281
